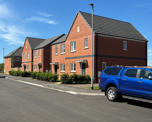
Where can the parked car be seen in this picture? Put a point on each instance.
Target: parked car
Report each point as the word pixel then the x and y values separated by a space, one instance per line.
pixel 130 81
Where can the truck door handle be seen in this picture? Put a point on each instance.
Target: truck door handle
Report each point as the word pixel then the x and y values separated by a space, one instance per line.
pixel 139 81
pixel 124 79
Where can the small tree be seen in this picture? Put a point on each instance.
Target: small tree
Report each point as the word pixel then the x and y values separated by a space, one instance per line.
pixel 1 68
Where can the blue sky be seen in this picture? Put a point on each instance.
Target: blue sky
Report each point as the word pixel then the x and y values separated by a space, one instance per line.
pixel 47 18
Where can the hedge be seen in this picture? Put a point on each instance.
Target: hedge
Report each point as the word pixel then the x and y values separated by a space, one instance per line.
pixel 44 76
pixel 75 79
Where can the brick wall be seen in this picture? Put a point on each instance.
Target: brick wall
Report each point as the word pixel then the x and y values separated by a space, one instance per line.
pixel 7 65
pixel 59 59
pixel 25 61
pixel 110 50
pixel 38 60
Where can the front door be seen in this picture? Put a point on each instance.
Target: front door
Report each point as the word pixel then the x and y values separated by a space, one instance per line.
pixel 24 67
pixel 83 68
pixel 55 68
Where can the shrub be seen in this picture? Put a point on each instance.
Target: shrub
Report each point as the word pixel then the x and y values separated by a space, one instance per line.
pixel 54 78
pixel 65 78
pixel 83 79
pixel 75 79
pixel 19 73
pixel 33 75
pixel 26 74
pixel 15 73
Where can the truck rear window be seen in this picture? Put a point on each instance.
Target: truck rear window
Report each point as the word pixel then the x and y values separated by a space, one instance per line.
pixel 112 70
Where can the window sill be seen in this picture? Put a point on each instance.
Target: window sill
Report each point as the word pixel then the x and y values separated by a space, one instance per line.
pixel 73 71
pixel 73 51
pixel 124 49
pixel 86 48
pixel 62 71
pixel 62 53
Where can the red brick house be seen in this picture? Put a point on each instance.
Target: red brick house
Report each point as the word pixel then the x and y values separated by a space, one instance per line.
pixel 13 60
pixel 27 53
pixel 115 43
pixel 42 55
pixel 58 54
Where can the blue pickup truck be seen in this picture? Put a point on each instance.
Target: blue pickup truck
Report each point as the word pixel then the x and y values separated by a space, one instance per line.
pixel 130 81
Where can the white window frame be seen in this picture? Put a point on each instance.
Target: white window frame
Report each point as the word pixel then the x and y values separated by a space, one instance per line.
pixel 35 67
pixel 73 46
pixel 62 67
pixel 85 46
pixel 56 50
pixel 35 54
pixel 125 45
pixel 28 55
pixel 78 28
pixel 62 48
pixel 39 53
pixel 73 67
pixel 28 67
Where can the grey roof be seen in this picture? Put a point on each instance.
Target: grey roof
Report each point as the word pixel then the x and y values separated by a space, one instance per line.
pixel 112 27
pixel 48 41
pixel 16 52
pixel 34 41
pixel 60 40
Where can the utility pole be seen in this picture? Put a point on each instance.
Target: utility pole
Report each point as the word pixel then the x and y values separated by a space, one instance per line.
pixel 3 54
pixel 92 5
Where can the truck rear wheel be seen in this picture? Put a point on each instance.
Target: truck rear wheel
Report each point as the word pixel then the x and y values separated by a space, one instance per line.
pixel 112 93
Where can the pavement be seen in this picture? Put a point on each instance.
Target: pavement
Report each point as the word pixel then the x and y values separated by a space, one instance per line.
pixel 21 102
pixel 75 89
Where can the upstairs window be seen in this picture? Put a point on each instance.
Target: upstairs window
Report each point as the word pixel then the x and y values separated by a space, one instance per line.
pixel 39 53
pixel 86 43
pixel 62 67
pixel 73 67
pixel 28 55
pixel 63 49
pixel 124 45
pixel 56 50
pixel 35 54
pixel 73 46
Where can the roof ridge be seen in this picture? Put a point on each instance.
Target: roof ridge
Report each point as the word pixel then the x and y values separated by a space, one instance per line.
pixel 105 25
pixel 51 40
pixel 104 17
pixel 13 52
pixel 34 37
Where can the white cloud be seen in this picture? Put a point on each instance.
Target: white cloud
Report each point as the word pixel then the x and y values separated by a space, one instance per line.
pixel 41 19
pixel 44 14
pixel 11 34
pixel 4 11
